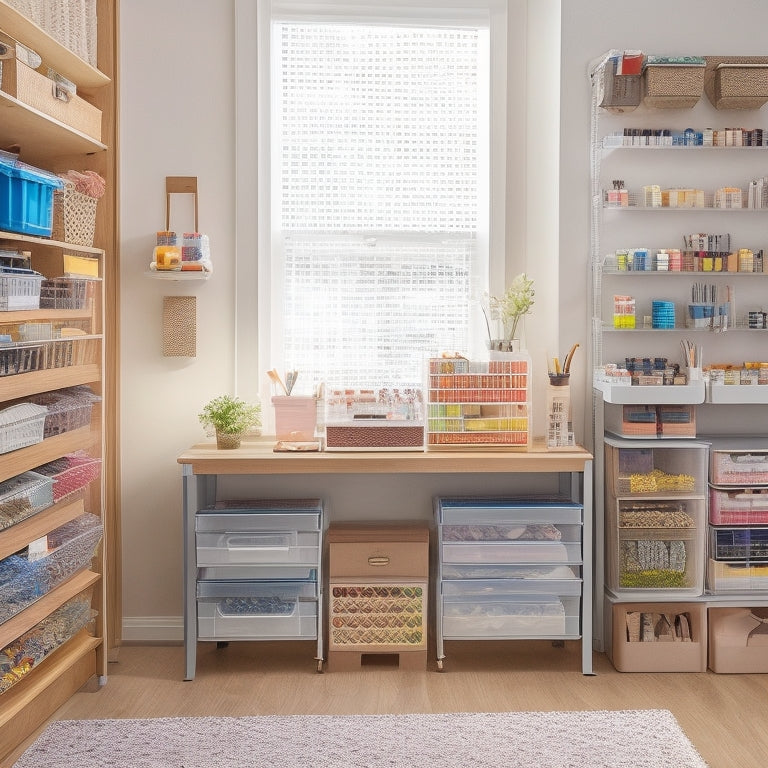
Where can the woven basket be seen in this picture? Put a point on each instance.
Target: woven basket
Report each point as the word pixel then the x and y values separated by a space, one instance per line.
pixel 669 86
pixel 74 216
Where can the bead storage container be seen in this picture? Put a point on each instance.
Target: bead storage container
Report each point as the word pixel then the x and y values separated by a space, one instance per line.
pixel 656 507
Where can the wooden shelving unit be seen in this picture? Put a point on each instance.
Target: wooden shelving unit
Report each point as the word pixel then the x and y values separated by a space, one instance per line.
pixel 54 146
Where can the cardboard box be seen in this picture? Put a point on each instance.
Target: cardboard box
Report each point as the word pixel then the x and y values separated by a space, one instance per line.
pixel 736 642
pixel 40 92
pixel 659 656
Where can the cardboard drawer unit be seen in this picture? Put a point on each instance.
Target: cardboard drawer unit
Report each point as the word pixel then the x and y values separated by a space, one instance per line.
pixel 508 569
pixel 259 571
pixel 378 594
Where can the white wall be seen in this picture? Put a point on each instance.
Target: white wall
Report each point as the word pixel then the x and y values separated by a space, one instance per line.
pixel 177 103
pixel 177 107
pixel 589 29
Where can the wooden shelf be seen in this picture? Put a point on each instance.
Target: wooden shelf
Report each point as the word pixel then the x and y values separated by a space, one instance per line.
pixel 30 617
pixel 23 459
pixel 24 384
pixel 19 535
pixel 66 63
pixel 42 139
pixel 46 241
pixel 45 689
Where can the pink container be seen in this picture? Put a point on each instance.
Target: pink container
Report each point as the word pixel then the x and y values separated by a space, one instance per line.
pixel 295 417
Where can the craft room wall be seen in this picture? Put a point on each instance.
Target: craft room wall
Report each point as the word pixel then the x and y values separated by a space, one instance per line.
pixel 177 118
pixel 663 27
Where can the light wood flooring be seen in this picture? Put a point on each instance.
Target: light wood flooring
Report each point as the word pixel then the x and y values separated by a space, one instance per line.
pixel 725 716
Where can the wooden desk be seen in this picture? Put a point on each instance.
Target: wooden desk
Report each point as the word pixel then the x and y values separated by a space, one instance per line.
pixel 203 464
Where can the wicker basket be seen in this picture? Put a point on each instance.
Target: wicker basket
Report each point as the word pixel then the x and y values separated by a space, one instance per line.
pixel 741 86
pixel 673 86
pixel 74 216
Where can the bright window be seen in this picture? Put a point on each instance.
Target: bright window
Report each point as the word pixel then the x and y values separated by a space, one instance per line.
pixel 375 193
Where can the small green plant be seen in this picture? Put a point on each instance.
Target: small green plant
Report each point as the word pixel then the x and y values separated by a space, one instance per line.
pixel 230 415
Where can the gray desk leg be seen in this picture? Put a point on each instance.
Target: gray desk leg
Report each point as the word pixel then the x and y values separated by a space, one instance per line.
pixel 198 491
pixel 587 572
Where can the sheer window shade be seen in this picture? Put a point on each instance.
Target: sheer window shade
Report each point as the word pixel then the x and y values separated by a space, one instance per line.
pixel 380 208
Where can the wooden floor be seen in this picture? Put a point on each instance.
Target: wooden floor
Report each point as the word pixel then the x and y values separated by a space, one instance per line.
pixel 725 716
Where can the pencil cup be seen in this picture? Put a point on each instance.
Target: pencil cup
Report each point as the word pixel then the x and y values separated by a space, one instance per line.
pixel 295 417
pixel 694 374
pixel 559 421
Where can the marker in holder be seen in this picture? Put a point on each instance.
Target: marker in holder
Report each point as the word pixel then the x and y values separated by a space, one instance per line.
pixel 559 420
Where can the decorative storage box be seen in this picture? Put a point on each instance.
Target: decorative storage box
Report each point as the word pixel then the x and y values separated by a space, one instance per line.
pixel 23 496
pixel 368 420
pixel 378 583
pixel 743 506
pixel 737 577
pixel 655 509
pixel 70 549
pixel 21 425
pixel 295 417
pixel 740 85
pixel 42 93
pixel 479 404
pixel 74 216
pixel 619 93
pixel 739 467
pixel 21 358
pixel 651 420
pixel 659 637
pixel 738 639
pixel 18 291
pixel 67 409
pixel 740 545
pixel 673 83
pixel 70 474
pixel 24 653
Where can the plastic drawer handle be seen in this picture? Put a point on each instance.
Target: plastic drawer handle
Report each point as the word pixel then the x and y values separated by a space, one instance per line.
pixel 378 560
pixel 252 543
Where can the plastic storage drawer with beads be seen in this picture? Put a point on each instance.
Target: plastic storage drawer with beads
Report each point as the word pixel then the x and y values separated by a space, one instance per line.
pixel 742 506
pixel 242 610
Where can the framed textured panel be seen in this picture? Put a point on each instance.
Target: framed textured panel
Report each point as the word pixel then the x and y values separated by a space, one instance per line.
pixel 179 326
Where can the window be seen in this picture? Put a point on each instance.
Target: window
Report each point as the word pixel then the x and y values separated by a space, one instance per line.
pixel 375 194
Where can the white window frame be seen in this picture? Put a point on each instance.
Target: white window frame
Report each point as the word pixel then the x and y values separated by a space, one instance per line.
pixel 507 21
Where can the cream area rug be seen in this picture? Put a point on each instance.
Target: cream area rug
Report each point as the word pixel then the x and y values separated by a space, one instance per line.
pixel 618 739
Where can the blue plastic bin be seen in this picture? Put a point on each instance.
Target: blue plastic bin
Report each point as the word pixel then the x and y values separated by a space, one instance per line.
pixel 26 198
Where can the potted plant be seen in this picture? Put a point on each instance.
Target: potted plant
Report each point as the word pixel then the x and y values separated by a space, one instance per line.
pixel 507 310
pixel 230 418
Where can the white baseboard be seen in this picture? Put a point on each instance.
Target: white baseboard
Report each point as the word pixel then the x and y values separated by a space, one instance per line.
pixel 153 629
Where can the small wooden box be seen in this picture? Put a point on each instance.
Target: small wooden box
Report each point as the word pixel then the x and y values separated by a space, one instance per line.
pixel 38 91
pixel 378 587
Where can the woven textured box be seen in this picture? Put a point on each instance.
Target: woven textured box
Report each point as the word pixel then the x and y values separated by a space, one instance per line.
pixel 38 91
pixel 741 86
pixel 74 216
pixel 673 86
pixel 67 409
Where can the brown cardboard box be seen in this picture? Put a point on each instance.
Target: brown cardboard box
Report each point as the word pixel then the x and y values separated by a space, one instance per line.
pixel 736 643
pixel 660 656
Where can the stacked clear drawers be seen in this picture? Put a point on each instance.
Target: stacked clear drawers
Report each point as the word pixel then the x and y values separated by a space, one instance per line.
pixel 738 516
pixel 656 516
pixel 508 569
pixel 259 570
